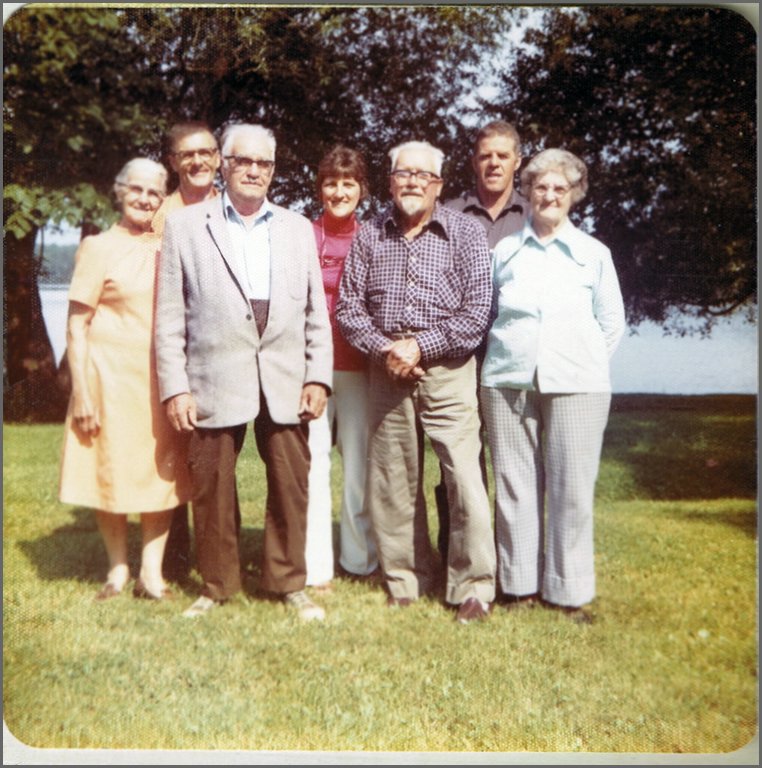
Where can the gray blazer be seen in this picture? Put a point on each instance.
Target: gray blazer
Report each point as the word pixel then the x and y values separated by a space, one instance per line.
pixel 206 339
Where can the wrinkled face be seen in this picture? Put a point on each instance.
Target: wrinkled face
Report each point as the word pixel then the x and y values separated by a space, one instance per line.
pixel 550 198
pixel 248 171
pixel 195 159
pixel 140 196
pixel 415 196
pixel 495 163
pixel 340 196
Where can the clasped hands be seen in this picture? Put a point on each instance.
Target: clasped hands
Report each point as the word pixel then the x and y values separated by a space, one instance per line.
pixel 402 358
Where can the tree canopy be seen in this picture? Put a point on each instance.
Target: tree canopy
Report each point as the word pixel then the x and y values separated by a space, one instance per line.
pixel 659 101
pixel 661 104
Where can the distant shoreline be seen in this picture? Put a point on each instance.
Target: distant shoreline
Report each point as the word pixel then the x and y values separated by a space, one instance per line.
pixel 645 363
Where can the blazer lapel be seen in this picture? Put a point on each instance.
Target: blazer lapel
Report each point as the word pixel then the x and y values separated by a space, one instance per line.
pixel 278 276
pixel 218 231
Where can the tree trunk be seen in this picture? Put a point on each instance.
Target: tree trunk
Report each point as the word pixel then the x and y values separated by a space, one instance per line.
pixel 31 388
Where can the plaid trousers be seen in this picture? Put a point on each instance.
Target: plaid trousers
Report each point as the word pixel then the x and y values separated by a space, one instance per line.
pixel 546 451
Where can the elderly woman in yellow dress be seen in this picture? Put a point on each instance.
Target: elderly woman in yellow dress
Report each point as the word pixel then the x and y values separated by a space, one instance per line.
pixel 120 454
pixel 546 391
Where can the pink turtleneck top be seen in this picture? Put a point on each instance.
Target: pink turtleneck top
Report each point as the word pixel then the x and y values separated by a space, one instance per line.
pixel 334 238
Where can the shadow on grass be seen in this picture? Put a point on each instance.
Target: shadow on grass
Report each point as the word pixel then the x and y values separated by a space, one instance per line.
pixel 76 551
pixel 684 448
pixel 745 521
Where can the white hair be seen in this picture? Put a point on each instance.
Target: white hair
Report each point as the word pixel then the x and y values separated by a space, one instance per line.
pixel 234 130
pixel 436 154
pixel 562 161
pixel 144 164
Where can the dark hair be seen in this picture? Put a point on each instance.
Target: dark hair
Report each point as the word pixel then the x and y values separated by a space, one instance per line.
pixel 345 163
pixel 181 130
pixel 498 128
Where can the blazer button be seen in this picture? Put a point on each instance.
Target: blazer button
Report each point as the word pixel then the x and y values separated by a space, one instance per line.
pixel 248 317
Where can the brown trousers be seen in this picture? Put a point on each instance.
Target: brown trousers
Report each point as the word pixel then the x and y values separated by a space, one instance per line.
pixel 212 457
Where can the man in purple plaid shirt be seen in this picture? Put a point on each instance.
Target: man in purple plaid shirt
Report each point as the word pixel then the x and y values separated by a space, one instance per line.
pixel 415 297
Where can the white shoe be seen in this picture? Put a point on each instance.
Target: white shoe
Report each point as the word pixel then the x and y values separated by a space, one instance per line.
pixel 305 608
pixel 200 607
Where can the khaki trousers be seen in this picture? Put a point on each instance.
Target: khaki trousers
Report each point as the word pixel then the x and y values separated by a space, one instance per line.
pixel 442 406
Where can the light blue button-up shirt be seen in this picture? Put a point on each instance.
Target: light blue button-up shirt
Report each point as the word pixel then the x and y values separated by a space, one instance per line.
pixel 252 247
pixel 558 311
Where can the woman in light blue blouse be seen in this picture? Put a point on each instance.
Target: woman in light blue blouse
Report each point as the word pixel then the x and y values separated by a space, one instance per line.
pixel 546 392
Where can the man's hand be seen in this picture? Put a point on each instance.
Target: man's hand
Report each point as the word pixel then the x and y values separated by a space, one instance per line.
pixel 181 412
pixel 402 358
pixel 313 402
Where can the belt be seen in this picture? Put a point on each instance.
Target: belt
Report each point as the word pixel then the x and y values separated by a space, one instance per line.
pixel 403 335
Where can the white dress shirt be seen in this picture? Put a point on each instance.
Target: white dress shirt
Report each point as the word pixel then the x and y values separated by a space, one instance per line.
pixel 251 244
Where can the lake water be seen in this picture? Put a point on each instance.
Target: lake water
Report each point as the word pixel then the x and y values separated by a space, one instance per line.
pixel 647 362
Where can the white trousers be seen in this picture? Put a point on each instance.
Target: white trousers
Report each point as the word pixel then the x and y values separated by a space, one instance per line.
pixel 546 450
pixel 348 411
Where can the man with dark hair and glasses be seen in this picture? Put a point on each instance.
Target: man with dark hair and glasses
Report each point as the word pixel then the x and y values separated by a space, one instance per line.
pixel 242 334
pixel 502 210
pixel 415 297
pixel 192 153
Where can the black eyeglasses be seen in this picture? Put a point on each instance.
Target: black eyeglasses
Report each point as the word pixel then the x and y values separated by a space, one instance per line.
pixel 189 155
pixel 241 163
pixel 424 176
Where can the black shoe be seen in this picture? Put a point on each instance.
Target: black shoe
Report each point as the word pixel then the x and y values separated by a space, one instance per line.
pixel 519 602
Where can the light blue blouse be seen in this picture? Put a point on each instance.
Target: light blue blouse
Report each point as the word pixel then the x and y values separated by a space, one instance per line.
pixel 558 313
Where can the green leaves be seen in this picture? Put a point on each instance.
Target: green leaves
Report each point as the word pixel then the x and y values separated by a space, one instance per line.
pixel 35 206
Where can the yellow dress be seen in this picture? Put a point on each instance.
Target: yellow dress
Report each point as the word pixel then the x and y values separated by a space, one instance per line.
pixel 136 462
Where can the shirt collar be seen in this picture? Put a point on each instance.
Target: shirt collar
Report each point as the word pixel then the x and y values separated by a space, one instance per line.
pixel 231 214
pixel 438 220
pixel 568 237
pixel 514 203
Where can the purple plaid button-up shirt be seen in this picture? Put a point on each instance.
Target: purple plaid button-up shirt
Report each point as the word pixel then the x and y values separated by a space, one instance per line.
pixel 435 287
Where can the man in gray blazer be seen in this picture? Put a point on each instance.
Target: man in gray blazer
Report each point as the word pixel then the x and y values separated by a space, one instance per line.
pixel 242 333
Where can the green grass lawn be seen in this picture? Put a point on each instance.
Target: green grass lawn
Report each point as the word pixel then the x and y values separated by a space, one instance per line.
pixel 669 666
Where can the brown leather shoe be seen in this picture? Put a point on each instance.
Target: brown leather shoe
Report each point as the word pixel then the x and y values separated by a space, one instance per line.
pixel 579 615
pixel 575 613
pixel 398 602
pixel 141 591
pixel 107 591
pixel 472 609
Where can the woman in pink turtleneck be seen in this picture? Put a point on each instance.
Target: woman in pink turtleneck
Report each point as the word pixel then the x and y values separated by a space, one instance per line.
pixel 341 183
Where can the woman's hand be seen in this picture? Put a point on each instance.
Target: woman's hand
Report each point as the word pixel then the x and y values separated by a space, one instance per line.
pixel 85 416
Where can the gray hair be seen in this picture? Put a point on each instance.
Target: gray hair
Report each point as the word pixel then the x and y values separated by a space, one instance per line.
pixel 140 164
pixel 563 162
pixel 234 130
pixel 436 154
